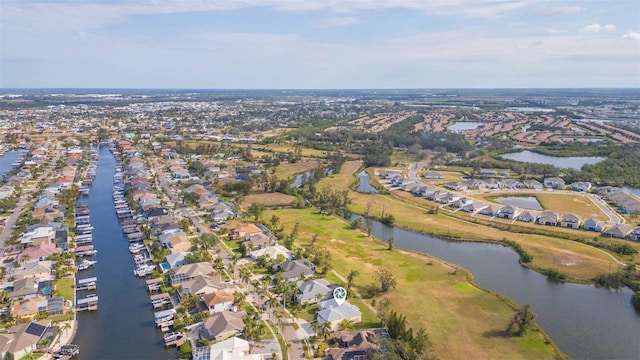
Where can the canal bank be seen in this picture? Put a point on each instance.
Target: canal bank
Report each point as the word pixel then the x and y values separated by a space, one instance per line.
pixel 586 322
pixel 123 327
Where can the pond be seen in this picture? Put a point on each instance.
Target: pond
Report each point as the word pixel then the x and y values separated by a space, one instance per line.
pixel 527 202
pixel 365 183
pixel 586 322
pixel 571 162
pixel 461 126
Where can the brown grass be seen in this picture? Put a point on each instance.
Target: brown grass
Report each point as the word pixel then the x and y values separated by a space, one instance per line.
pixel 268 200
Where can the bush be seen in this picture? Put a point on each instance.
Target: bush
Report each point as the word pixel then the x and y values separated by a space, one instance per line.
pixel 554 275
pixel 184 351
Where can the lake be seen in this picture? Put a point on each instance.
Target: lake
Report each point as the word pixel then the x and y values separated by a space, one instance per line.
pixel 571 162
pixel 365 185
pixel 528 202
pixel 123 327
pixel 586 322
pixel 460 126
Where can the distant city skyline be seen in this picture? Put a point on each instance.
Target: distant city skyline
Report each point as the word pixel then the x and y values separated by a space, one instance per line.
pixel 317 44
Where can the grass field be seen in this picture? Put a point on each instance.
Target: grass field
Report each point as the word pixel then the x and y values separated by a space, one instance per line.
pixel 268 200
pixel 287 170
pixel 578 261
pixel 462 320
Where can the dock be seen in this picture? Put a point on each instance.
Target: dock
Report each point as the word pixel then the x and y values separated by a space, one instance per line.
pixel 160 300
pixel 154 284
pixel 87 284
pixel 174 339
pixel 87 304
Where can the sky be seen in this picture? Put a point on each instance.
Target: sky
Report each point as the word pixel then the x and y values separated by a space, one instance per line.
pixel 316 44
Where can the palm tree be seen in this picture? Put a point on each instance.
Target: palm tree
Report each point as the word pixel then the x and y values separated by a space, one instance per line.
pixel 239 299
pixel 353 274
pixel 66 326
pixel 325 329
pixel 345 324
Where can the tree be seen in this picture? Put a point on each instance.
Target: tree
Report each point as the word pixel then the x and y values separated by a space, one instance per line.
pixel 256 210
pixel 324 330
pixel 522 321
pixel 190 302
pixel 353 274
pixel 386 279
pixel 390 242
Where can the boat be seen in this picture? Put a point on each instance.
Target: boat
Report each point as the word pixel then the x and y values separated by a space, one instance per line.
pixel 85 264
pixel 69 350
pixel 172 336
pixel 136 247
pixel 144 270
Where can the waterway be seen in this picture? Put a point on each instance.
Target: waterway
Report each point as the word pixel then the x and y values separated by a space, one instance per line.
pixel 573 162
pixel 586 322
pixel 527 202
pixel 461 126
pixel 123 327
pixel 7 159
pixel 365 184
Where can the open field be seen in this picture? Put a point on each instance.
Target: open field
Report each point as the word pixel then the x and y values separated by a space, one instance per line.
pixel 462 320
pixel 289 170
pixel 576 260
pixel 268 200
pixel 562 203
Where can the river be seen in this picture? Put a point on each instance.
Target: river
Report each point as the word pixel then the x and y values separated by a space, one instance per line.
pixel 123 327
pixel 586 322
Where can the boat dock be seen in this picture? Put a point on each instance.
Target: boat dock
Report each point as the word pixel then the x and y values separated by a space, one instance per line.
pixel 154 284
pixel 89 303
pixel 87 284
pixel 160 300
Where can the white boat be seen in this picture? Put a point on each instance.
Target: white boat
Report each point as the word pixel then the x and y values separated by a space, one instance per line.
pixel 85 264
pixel 136 247
pixel 174 335
pixel 144 270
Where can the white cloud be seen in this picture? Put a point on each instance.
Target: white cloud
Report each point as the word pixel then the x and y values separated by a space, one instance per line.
pixel 554 31
pixel 336 21
pixel 558 10
pixel 596 28
pixel 631 35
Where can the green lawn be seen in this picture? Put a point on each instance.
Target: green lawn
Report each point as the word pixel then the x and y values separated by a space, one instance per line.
pixel 66 288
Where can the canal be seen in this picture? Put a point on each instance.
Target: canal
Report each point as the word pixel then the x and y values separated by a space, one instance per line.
pixel 123 327
pixel 586 322
pixel 7 159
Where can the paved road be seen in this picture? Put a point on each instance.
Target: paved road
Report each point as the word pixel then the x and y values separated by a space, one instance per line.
pixel 24 200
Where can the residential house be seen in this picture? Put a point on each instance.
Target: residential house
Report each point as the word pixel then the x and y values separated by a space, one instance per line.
pixel 355 344
pixel 548 218
pixel 176 260
pixel 234 348
pixel 24 288
pixel 296 269
pixel 490 210
pixel 571 221
pixel 635 234
pixel 554 183
pixel 619 231
pixel 332 313
pixel 22 339
pixel 39 252
pixel 592 224
pixel 272 252
pixel 581 186
pixel 200 285
pixel 474 207
pixel 38 236
pixel 35 270
pixel 455 185
pixel 246 229
pixel 528 216
pixel 312 290
pixel 508 212
pixel 46 201
pixel 222 325
pixel 190 271
pixel 532 184
pixel 218 301
pixel 433 175
pixel 512 184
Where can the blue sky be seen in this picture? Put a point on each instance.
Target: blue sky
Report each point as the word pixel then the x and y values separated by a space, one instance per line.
pixel 319 43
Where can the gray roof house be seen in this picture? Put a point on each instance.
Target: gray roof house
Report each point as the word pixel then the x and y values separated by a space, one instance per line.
pixel 332 313
pixel 308 291
pixel 294 269
pixel 619 231
pixel 592 224
pixel 222 325
pixel 548 218
pixel 571 221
